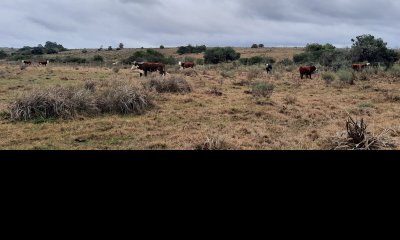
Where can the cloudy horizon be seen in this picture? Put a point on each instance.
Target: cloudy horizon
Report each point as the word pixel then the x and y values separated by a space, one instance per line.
pixel 238 23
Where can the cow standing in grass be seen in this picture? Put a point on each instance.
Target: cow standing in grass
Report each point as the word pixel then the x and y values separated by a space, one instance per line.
pixel 43 63
pixel 269 68
pixel 308 71
pixel 184 65
pixel 145 67
pixel 27 62
pixel 358 67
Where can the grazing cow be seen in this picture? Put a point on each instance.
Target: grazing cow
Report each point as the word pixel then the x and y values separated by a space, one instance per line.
pixel 308 71
pixel 145 67
pixel 269 68
pixel 358 67
pixel 186 65
pixel 26 62
pixel 44 63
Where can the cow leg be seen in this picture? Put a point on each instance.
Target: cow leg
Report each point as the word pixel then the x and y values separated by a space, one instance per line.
pixel 145 73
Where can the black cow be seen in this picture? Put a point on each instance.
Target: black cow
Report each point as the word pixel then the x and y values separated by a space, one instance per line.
pixel 269 68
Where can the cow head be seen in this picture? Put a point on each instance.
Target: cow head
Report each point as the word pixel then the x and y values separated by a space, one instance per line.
pixel 368 64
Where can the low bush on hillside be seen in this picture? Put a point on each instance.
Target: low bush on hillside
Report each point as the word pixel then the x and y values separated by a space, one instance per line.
pixel 191 49
pixel 220 55
pixel 68 103
pixel 169 85
pixel 328 77
pixel 346 76
pixel 124 99
pixel 56 102
pixel 262 89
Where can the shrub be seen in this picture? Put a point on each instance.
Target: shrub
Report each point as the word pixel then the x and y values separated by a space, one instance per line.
pixel 90 85
pixel 254 46
pixel 55 102
pixel 213 143
pixel 115 69
pixel 98 58
pixel 368 48
pixel 3 54
pixel 395 70
pixel 286 62
pixel 289 99
pixel 200 61
pixel 171 85
pixel 262 89
pixel 84 50
pixel 227 74
pixel 219 55
pixel 149 55
pixel 346 76
pixel 261 45
pixel 124 98
pixel 257 60
pixel 190 49
pixel 328 77
pixel 121 46
pixel 109 48
pixel 162 47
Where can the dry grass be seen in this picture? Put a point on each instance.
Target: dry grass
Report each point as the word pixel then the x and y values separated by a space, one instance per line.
pixel 184 121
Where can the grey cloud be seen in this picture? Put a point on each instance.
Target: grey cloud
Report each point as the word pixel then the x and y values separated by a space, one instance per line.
pixel 149 23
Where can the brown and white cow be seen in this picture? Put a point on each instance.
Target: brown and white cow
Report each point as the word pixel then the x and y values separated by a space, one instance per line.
pixel 307 70
pixel 184 65
pixel 44 63
pixel 145 67
pixel 26 62
pixel 358 67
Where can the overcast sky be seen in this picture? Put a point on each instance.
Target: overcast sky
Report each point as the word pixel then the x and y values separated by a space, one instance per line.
pixel 150 23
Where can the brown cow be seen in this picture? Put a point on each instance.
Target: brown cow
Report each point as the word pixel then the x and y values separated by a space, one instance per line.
pixel 26 62
pixel 186 65
pixel 358 67
pixel 308 71
pixel 145 67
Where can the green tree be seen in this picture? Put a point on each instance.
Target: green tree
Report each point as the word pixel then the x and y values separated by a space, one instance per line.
pixel 373 50
pixel 219 55
pixel 3 54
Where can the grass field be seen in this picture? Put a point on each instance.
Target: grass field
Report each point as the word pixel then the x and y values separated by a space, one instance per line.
pixel 220 112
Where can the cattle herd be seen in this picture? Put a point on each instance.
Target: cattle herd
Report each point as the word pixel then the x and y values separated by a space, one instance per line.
pixel 40 63
pixel 143 68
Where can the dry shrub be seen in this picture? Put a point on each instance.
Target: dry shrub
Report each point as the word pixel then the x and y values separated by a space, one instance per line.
pixel 328 77
pixel 215 91
pixel 277 75
pixel 254 74
pixel 56 102
pixel 262 89
pixel 392 97
pixel 213 143
pixel 241 82
pixel 363 76
pixel 169 85
pixel 289 99
pixel 346 76
pixel 227 74
pixel 116 69
pixel 90 85
pixel 357 138
pixel 189 72
pixel 125 98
